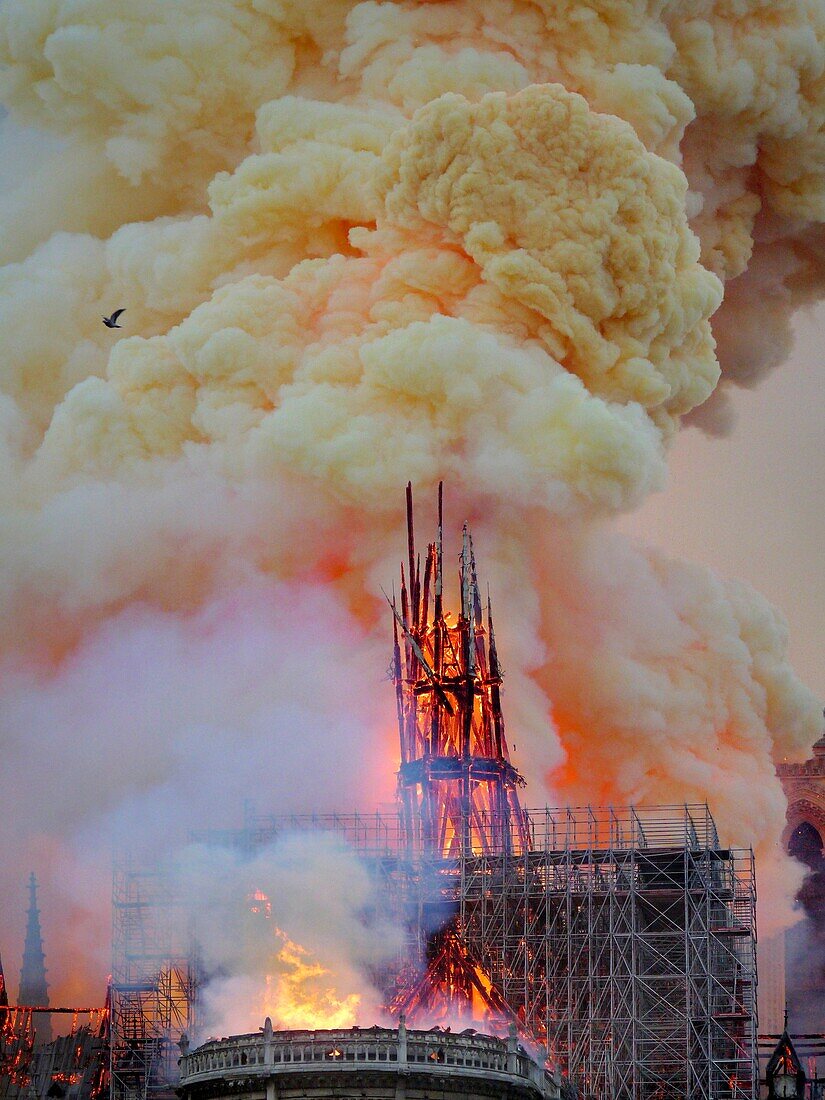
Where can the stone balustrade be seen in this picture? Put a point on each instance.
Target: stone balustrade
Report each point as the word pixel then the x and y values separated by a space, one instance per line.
pixel 393 1051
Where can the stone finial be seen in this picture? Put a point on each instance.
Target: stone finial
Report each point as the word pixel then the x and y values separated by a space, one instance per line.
pixel 402 1039
pixel 267 1041
pixel 512 1048
pixel 183 1045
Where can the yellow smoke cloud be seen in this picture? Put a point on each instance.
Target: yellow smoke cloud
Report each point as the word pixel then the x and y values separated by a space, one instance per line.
pixel 524 245
pixel 365 242
pixel 571 220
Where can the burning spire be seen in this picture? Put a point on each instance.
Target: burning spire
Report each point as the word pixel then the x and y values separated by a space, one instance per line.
pixel 457 785
pixel 34 989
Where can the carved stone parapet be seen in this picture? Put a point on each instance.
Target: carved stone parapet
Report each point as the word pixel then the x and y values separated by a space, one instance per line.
pixel 382 1063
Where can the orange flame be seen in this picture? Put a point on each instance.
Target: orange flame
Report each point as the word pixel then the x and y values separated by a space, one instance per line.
pixel 302 993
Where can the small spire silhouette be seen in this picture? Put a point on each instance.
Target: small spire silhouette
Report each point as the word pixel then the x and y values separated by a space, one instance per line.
pixel 34 989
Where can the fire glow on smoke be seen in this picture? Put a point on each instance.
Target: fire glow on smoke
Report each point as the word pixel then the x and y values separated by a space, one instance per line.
pixel 361 243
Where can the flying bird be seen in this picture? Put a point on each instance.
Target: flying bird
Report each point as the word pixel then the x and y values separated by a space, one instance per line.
pixel 111 322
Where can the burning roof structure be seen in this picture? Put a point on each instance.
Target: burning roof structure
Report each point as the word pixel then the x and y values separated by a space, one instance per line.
pixel 72 1066
pixel 621 941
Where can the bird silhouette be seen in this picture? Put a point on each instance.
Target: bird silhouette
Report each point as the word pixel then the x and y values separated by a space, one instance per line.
pixel 111 322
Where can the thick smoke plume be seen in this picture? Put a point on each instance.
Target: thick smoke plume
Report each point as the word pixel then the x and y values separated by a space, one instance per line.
pixel 361 243
pixel 248 914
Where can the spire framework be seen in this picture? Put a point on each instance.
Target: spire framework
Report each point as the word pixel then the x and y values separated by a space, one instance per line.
pixel 458 787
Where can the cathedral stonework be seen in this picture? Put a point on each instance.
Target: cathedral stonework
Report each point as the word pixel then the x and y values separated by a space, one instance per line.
pixel 805 790
pixel 804 838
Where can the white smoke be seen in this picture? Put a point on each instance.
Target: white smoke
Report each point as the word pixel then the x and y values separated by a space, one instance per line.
pixel 161 723
pixel 293 931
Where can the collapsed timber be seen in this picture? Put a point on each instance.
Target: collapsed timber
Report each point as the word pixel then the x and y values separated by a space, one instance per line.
pixel 72 1065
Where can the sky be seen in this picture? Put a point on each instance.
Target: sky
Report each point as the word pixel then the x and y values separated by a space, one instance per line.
pixel 752 504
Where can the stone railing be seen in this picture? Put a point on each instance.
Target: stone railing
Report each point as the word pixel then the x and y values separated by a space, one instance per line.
pixel 269 1051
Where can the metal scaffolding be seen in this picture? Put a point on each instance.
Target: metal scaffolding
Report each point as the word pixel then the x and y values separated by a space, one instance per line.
pixel 623 939
pixel 153 990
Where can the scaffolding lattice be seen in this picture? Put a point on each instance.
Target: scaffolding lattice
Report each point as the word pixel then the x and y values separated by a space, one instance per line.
pixel 153 980
pixel 623 939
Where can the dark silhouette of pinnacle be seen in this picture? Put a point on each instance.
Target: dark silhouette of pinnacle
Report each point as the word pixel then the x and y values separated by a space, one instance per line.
pixel 34 989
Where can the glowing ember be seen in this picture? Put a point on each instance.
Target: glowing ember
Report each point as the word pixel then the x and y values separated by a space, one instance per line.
pixel 259 903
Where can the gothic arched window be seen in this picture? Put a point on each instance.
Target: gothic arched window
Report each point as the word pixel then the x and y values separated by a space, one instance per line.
pixel 805 844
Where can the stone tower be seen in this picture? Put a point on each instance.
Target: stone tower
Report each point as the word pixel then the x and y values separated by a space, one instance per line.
pixel 804 837
pixel 804 786
pixel 33 987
